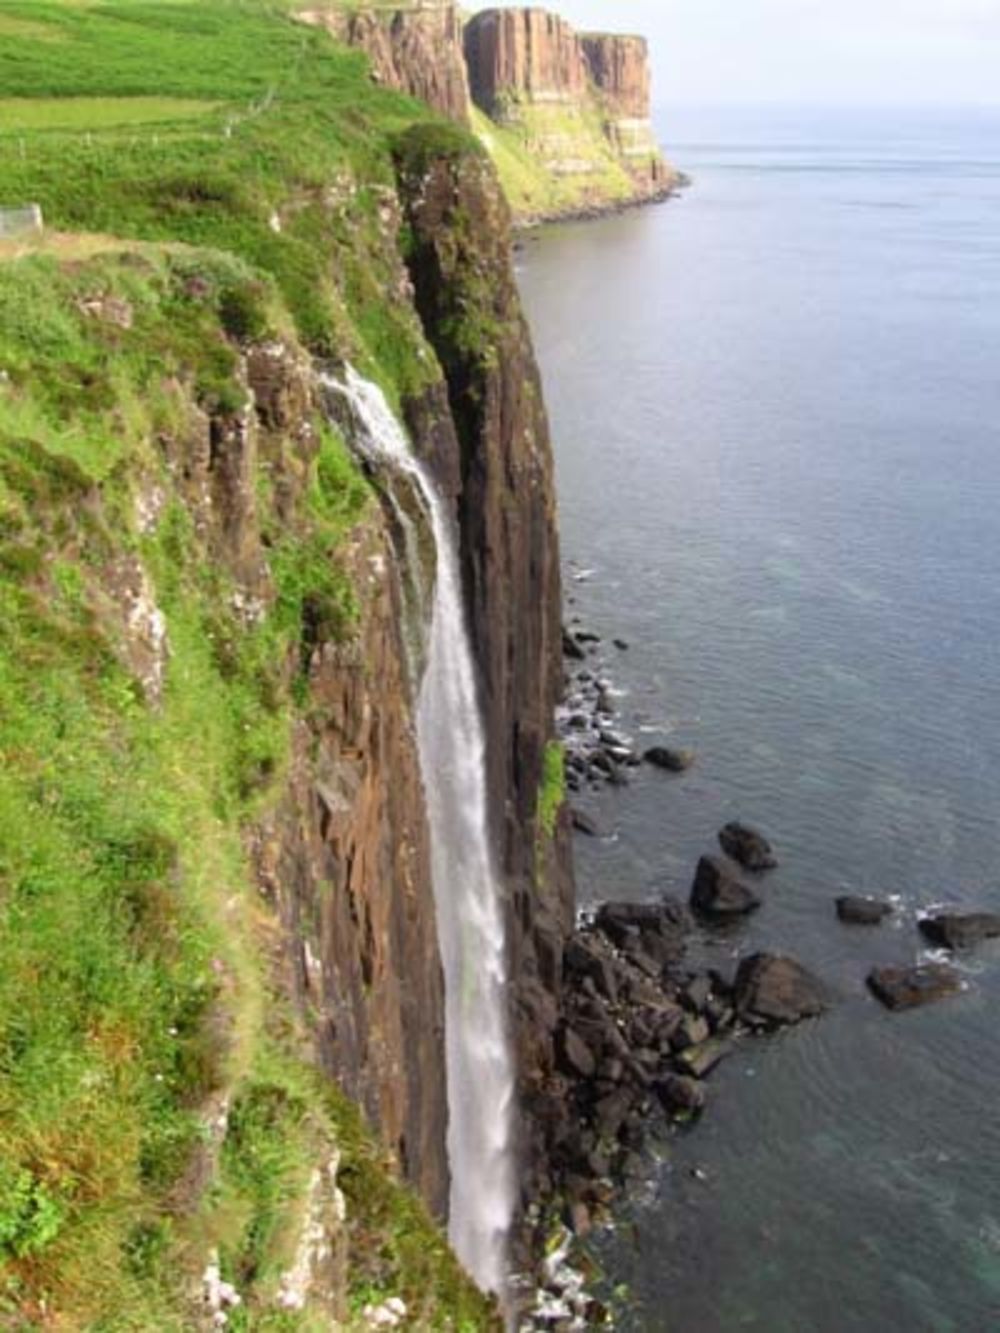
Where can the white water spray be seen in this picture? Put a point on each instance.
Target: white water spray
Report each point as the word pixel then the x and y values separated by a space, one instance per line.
pixel 467 889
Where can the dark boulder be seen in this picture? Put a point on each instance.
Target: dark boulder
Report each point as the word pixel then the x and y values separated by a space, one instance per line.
pixel 621 645
pixel 681 1097
pixel 745 845
pixel 581 961
pixel 571 648
pixel 574 1055
pixel 863 911
pixel 772 991
pixel 670 759
pixel 655 930
pixel 699 1061
pixel 719 892
pixel 910 987
pixel 956 930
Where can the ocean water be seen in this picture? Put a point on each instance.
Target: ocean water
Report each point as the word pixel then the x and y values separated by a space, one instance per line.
pixel 776 410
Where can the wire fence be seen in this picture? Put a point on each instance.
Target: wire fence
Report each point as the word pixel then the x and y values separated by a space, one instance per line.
pixel 20 221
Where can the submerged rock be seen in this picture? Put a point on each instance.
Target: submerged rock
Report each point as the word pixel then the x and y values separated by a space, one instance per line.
pixel 745 845
pixel 956 930
pixel 669 759
pixel 910 987
pixel 699 1061
pixel 717 891
pixel 584 823
pixel 863 911
pixel 772 991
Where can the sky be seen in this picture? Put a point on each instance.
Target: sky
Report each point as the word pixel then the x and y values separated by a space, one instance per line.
pixel 859 52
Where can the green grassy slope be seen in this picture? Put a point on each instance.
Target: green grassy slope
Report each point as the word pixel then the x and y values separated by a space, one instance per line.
pixel 242 160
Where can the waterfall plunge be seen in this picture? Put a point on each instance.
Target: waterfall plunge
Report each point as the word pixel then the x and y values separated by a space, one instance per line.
pixel 467 889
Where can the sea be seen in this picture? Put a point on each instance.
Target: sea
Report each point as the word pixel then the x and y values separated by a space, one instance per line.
pixel 775 404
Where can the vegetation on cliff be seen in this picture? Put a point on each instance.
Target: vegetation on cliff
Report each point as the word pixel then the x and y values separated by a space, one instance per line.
pixel 219 184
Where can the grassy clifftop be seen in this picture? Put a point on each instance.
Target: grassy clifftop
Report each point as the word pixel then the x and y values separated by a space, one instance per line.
pixel 216 182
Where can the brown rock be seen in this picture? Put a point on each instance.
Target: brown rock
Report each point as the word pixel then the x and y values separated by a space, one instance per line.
pixel 415 50
pixel 745 845
pixel 776 991
pixel 718 892
pixel 863 911
pixel 957 930
pixel 911 987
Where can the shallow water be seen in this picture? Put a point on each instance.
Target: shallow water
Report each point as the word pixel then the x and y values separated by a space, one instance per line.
pixel 776 408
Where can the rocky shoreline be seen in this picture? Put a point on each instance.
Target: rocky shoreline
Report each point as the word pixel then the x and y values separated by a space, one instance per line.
pixel 641 1029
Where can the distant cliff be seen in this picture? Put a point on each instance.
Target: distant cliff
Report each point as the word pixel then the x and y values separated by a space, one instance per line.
pixel 564 115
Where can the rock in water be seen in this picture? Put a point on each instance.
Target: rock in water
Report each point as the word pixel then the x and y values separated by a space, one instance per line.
pixel 863 911
pixel 718 892
pixel 955 930
pixel 771 991
pixel 673 761
pixel 745 845
pixel 571 648
pixel 909 987
pixel 584 823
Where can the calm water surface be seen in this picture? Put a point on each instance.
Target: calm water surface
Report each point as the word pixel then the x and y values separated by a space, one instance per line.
pixel 776 407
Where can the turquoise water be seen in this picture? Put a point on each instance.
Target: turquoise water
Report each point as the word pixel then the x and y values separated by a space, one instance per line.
pixel 776 407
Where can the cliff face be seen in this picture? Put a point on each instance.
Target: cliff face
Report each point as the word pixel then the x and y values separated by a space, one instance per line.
pixel 578 103
pixel 523 53
pixel 489 445
pixel 414 50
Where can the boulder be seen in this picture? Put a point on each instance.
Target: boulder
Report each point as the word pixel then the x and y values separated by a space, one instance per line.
pixel 681 1096
pixel 670 759
pixel 581 961
pixel 699 1061
pixel 621 645
pixel 910 987
pixel 772 991
pixel 863 911
pixel 719 892
pixel 655 930
pixel 745 845
pixel 956 930
pixel 574 1055
pixel 571 648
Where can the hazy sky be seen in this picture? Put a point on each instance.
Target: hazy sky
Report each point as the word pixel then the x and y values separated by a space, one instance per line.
pixel 860 51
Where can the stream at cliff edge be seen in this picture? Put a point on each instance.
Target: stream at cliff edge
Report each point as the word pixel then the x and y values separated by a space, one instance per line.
pixel 776 416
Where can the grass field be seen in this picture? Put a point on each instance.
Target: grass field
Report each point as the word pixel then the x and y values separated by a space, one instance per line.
pixel 217 172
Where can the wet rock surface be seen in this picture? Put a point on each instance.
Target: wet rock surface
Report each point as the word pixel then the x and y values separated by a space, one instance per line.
pixel 912 987
pixel 745 845
pixel 671 760
pixel 956 930
pixel 863 911
pixel 719 892
pixel 772 991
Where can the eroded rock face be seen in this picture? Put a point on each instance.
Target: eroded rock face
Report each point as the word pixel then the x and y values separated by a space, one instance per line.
pixel 528 58
pixel 490 451
pixel 344 856
pixel 529 53
pixel 619 68
pixel 415 50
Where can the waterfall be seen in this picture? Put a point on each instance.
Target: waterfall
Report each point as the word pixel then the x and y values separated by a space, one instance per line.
pixel 467 891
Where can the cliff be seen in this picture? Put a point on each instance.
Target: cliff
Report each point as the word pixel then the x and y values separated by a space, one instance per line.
pixel 218 922
pixel 564 115
pixel 416 49
pixel 577 105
